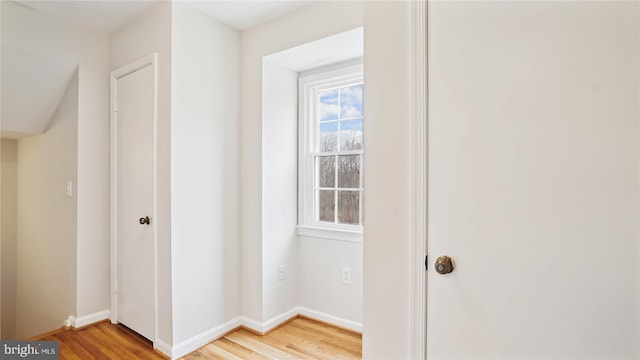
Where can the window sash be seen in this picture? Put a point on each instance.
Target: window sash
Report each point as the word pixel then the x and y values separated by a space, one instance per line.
pixel 309 189
pixel 316 188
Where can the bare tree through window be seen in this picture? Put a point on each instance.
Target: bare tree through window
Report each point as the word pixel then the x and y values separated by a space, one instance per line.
pixel 340 156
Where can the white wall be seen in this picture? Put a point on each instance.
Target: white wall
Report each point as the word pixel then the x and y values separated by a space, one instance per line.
pixel 8 237
pixel 321 288
pixel 46 251
pixel 29 29
pixel 279 189
pixel 312 23
pixel 147 34
pixel 92 187
pixel 387 137
pixel 204 172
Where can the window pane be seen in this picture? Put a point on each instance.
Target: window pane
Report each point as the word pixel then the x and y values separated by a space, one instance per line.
pixel 326 170
pixel 351 135
pixel 351 101
pixel 348 207
pixel 329 105
pixel 326 205
pixel 349 171
pixel 328 140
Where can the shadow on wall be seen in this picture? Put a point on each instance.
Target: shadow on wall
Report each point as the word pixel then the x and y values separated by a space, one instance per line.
pixel 39 218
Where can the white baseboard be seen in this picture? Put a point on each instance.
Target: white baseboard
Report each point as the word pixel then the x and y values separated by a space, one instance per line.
pixel 198 341
pixel 78 322
pixel 254 325
pixel 163 347
pixel 279 319
pixel 330 319
pixel 266 326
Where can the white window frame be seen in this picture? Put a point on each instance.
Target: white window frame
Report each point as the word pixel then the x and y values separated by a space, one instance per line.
pixel 309 85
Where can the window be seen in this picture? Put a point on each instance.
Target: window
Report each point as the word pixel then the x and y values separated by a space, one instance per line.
pixel 331 154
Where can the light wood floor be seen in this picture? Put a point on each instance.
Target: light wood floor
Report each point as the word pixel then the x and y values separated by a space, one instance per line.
pixel 300 338
pixel 103 341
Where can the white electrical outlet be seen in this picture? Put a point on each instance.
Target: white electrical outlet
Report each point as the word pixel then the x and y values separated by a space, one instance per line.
pixel 346 275
pixel 281 273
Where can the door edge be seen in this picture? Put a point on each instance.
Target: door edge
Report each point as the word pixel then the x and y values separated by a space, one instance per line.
pixel 419 189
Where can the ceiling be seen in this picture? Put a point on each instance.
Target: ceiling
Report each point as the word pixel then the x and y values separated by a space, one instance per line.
pixel 110 15
pixel 243 15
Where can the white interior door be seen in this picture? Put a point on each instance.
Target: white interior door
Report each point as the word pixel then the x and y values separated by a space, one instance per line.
pixel 134 200
pixel 533 180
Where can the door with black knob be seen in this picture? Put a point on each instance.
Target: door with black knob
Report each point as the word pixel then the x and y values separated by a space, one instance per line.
pixel 133 114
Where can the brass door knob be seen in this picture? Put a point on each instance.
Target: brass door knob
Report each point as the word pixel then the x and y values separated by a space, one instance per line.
pixel 444 265
pixel 145 220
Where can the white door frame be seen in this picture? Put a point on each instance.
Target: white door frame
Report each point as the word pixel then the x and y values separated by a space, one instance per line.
pixel 149 60
pixel 419 177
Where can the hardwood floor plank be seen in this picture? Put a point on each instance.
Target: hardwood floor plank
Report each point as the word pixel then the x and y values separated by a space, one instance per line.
pixel 323 342
pixel 102 341
pixel 317 350
pixel 245 339
pixel 285 344
pixel 138 346
pixel 299 344
pixel 214 352
pixel 71 345
pixel 93 345
pixel 333 331
pixel 97 335
pixel 327 331
pixel 238 349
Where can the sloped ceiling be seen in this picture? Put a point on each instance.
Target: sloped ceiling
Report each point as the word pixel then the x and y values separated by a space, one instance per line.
pixel 32 85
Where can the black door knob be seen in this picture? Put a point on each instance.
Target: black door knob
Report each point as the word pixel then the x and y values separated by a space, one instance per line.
pixel 145 220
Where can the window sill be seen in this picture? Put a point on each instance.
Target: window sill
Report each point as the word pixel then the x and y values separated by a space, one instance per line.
pixel 328 233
